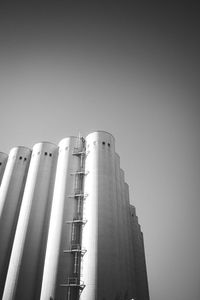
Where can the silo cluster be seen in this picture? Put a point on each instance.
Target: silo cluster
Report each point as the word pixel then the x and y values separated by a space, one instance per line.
pixel 67 229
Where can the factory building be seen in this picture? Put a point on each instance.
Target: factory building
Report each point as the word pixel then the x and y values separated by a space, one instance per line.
pixel 67 229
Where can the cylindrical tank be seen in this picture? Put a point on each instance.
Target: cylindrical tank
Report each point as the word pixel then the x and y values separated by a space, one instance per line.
pixel 99 264
pixel 3 161
pixel 11 192
pixel 59 261
pixel 27 258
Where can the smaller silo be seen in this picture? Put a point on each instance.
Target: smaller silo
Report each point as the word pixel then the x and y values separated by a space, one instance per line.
pixel 27 258
pixel 11 192
pixel 59 268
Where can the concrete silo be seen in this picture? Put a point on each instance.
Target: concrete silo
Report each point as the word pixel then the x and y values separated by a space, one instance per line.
pixel 11 192
pixel 68 225
pixel 99 264
pixel 3 161
pixel 27 258
pixel 61 278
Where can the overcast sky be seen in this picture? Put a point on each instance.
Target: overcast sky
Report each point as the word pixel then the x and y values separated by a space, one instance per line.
pixel 133 70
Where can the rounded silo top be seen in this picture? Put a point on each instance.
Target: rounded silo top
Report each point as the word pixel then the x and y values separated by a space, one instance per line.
pixel 46 148
pixel 101 132
pixel 67 140
pixel 20 151
pixel 70 143
pixel 101 137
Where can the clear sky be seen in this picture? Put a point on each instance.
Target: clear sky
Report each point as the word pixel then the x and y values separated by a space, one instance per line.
pixel 133 70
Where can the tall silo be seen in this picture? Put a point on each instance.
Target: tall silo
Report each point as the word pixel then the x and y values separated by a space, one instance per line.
pixel 61 277
pixel 3 161
pixel 27 259
pixel 11 192
pixel 99 264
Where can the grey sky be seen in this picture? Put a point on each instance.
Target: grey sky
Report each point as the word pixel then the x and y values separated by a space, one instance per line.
pixel 132 70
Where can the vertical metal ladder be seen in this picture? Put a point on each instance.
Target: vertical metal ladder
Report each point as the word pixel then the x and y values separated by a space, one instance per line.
pixel 77 224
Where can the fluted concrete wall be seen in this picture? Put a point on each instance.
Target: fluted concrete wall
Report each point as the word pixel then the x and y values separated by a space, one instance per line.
pixel 121 231
pixel 67 225
pixel 11 192
pixel 130 249
pixel 141 282
pixel 106 263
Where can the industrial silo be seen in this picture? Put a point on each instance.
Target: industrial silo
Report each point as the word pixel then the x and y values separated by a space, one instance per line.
pixel 3 161
pixel 27 258
pixel 11 192
pixel 99 264
pixel 61 277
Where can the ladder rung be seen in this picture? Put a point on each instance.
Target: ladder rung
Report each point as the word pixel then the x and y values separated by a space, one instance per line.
pixel 78 152
pixel 82 172
pixel 82 251
pixel 77 221
pixel 78 195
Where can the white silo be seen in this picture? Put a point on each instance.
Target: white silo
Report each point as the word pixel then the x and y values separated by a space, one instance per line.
pixel 99 262
pixel 11 192
pixel 3 161
pixel 61 269
pixel 27 258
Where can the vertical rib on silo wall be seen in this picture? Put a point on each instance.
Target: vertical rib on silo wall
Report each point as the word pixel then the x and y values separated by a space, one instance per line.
pixel 144 271
pixel 142 292
pixel 120 234
pixel 59 264
pixel 136 248
pixel 125 236
pixel 11 192
pixel 99 264
pixel 3 161
pixel 131 270
pixel 26 263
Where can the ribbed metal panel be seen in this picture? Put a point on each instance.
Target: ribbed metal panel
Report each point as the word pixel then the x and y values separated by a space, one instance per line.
pixel 26 263
pixel 11 192
pixel 59 265
pixel 3 161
